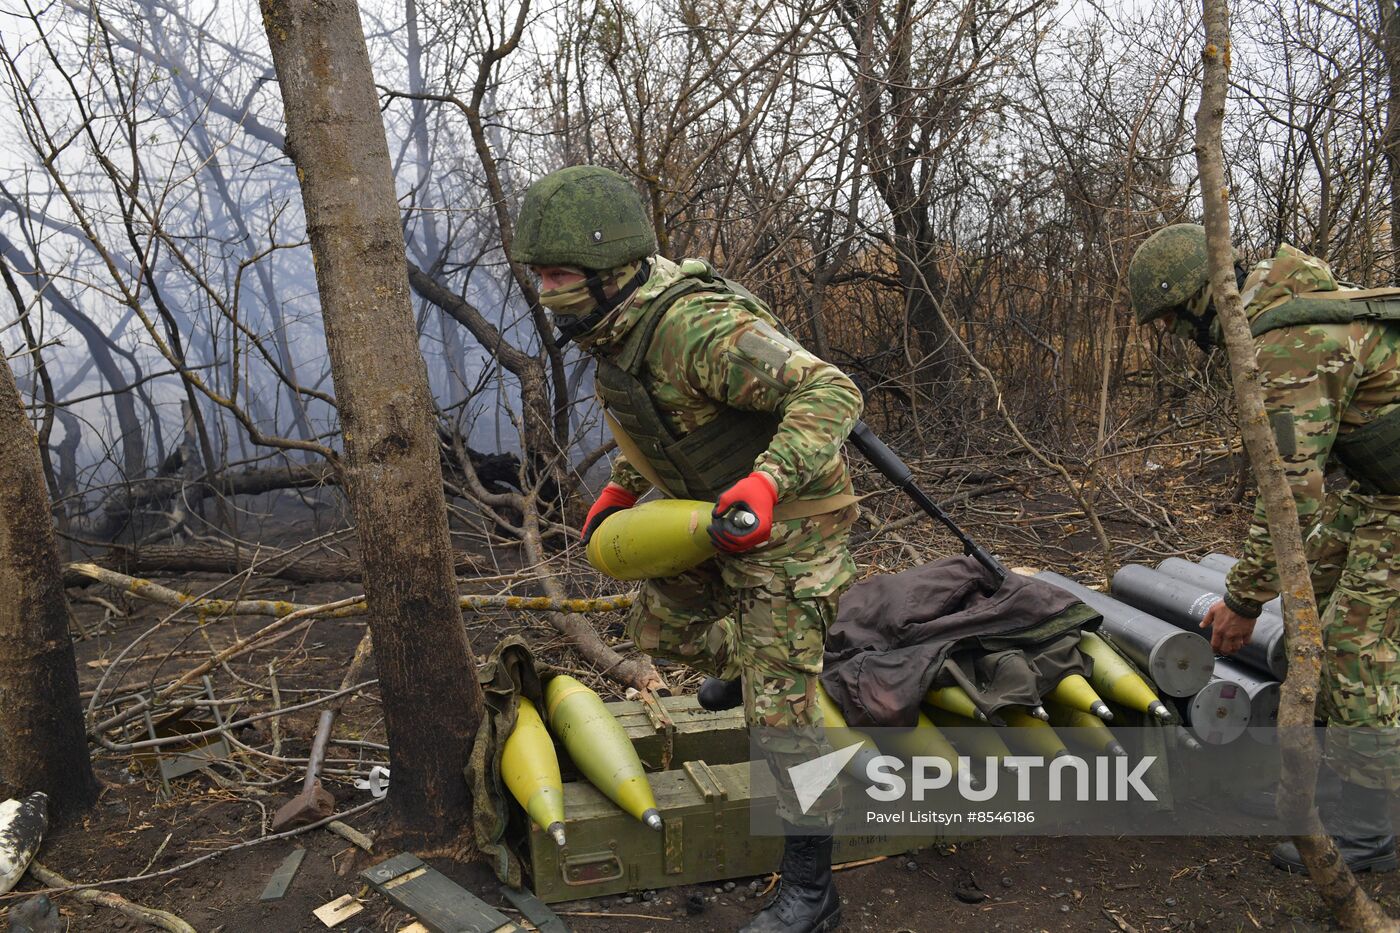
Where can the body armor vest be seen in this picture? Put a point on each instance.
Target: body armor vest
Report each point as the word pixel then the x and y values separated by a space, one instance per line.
pixel 1371 453
pixel 702 463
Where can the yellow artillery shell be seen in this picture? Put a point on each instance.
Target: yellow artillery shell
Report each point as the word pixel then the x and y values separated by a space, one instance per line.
pixel 531 771
pixel 954 699
pixel 1085 728
pixel 977 739
pixel 654 539
pixel 599 747
pixel 1077 693
pixel 1115 680
pixel 1030 735
pixel 924 739
pixel 841 735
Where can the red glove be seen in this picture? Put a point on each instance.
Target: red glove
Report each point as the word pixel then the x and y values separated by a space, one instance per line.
pixel 612 499
pixel 756 494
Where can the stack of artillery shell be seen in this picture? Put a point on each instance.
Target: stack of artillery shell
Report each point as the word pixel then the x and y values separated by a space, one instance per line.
pixel 1178 662
pixel 1259 665
pixel 1155 616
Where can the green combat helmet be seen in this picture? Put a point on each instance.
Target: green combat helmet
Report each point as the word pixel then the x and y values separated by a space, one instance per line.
pixel 585 216
pixel 1167 270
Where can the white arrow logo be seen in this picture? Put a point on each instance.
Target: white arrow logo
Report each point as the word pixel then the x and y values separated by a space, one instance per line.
pixel 811 778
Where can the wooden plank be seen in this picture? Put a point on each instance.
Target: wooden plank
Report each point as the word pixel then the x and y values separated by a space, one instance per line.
pixel 534 910
pixel 282 878
pixel 338 910
pixel 439 903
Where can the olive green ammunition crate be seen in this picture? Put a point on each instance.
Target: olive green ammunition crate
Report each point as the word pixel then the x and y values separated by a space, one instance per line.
pixel 705 811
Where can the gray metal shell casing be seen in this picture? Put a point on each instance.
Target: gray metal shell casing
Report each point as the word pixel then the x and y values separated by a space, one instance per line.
pixel 1178 662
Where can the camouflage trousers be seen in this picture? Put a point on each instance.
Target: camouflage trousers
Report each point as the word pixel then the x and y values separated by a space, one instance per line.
pixel 762 615
pixel 1354 552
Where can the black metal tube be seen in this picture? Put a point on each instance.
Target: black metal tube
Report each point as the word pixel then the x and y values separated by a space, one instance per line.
pixel 1178 662
pixel 1218 561
pixel 898 472
pixel 1184 605
pixel 1208 577
pixel 1217 715
pixel 1263 696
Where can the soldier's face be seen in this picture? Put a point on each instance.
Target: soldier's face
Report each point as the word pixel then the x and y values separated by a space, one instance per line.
pixel 1179 325
pixel 552 277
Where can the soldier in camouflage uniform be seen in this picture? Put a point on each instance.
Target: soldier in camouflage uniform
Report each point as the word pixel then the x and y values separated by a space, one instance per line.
pixel 1329 360
pixel 701 381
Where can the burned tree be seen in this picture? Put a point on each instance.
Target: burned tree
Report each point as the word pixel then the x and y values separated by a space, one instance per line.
pixel 42 745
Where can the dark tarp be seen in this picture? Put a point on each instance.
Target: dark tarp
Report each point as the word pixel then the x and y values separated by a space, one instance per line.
pixel 944 623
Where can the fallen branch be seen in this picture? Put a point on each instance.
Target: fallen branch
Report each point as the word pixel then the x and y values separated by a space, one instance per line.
pixel 345 831
pixel 352 606
pixel 149 915
pixel 216 558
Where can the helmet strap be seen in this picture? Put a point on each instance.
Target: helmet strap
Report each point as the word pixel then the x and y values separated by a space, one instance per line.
pixel 577 327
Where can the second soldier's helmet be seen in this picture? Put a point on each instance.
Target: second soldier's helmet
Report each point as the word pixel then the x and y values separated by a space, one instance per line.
pixel 585 216
pixel 1167 270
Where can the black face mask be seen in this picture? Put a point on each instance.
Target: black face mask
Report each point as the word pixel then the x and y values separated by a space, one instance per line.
pixel 571 328
pixel 1200 327
pixel 1202 332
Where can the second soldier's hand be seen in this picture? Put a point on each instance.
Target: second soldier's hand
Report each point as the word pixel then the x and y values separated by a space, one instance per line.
pixel 1229 631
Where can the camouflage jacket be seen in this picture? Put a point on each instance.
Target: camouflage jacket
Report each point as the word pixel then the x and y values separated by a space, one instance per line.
pixel 697 364
pixel 1318 380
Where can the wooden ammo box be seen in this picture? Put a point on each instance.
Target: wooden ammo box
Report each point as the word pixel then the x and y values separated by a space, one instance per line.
pixel 705 809
pixel 669 730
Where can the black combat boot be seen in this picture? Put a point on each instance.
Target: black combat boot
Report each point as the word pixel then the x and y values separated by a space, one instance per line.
pixel 717 694
pixel 806 901
pixel 1359 823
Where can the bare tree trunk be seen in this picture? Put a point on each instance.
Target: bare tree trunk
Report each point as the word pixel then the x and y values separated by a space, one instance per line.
pixel 42 742
pixel 1390 45
pixel 132 443
pixel 432 703
pixel 1297 740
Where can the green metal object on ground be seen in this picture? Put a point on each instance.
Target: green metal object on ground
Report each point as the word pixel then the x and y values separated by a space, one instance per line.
pixel 439 903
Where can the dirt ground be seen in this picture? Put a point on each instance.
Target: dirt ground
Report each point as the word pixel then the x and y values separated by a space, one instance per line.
pixel 1012 884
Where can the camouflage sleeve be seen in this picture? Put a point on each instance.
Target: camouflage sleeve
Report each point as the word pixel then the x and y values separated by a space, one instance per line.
pixel 1308 375
pixel 736 357
pixel 625 475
